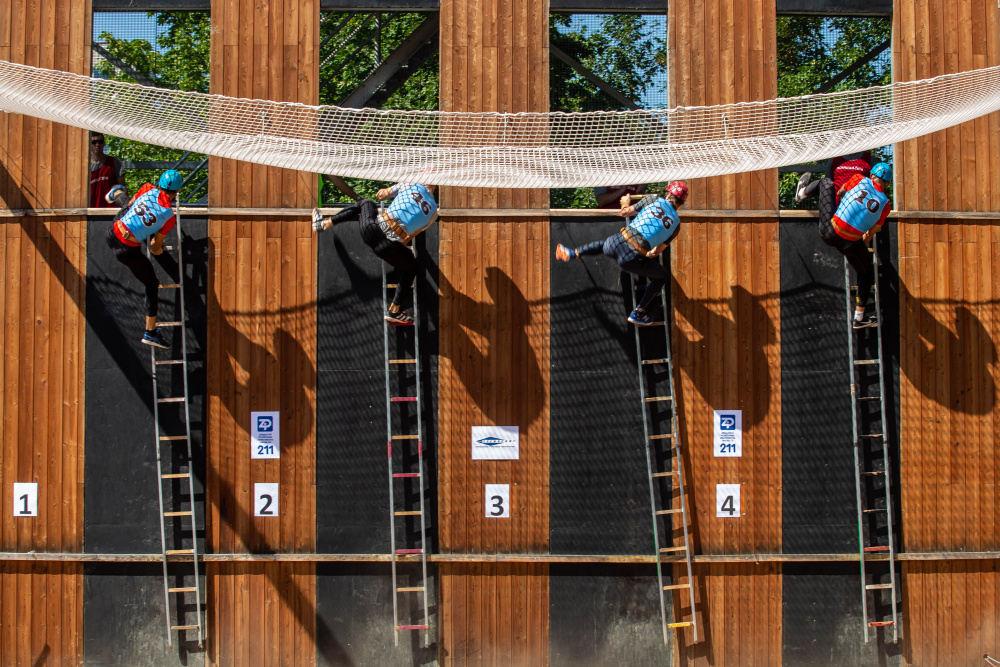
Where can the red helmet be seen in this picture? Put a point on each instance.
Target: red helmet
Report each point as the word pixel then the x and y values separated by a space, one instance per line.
pixel 678 189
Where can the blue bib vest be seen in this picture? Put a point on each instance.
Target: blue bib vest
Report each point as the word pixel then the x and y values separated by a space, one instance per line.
pixel 658 223
pixel 413 208
pixel 146 215
pixel 862 206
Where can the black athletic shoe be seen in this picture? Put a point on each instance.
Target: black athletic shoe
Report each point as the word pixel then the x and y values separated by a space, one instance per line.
pixel 155 338
pixel 867 321
pixel 800 188
pixel 400 317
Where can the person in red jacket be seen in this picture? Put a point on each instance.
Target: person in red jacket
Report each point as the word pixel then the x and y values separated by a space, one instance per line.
pixel 105 172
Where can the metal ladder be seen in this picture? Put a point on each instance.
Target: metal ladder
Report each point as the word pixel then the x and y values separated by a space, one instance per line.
pixel 867 473
pixel 405 461
pixel 176 478
pixel 664 465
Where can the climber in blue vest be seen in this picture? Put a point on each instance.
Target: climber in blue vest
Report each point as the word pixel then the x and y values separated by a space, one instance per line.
pixel 638 245
pixel 148 215
pixel 412 210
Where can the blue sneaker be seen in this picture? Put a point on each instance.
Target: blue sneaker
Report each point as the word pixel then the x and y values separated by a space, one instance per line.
pixel 640 318
pixel 156 339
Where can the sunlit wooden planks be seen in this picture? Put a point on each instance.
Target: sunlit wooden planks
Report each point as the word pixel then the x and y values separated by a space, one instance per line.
pixel 262 349
pixel 949 332
pixel 727 340
pixel 493 364
pixel 41 311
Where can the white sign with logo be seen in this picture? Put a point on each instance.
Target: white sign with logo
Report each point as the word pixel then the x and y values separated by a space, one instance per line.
pixel 25 499
pixel 495 443
pixel 265 499
pixel 498 501
pixel 727 500
pixel 265 435
pixel 728 429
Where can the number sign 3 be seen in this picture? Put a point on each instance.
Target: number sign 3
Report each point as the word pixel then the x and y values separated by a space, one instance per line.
pixel 498 501
pixel 25 499
pixel 265 499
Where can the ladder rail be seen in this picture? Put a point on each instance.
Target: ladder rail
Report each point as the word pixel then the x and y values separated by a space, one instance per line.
pixel 854 438
pixel 159 493
pixel 679 463
pixel 420 455
pixel 388 436
pixel 649 472
pixel 885 451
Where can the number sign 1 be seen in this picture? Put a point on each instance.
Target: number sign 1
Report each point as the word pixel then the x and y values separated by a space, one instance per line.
pixel 265 499
pixel 727 500
pixel 498 501
pixel 25 499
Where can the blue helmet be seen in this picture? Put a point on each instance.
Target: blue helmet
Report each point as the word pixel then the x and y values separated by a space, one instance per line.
pixel 171 180
pixel 883 171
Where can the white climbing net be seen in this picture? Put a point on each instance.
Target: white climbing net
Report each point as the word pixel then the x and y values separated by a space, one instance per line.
pixel 531 150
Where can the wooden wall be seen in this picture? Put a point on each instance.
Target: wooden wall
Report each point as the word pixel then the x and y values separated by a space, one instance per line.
pixel 727 341
pixel 41 335
pixel 494 354
pixel 949 333
pixel 261 348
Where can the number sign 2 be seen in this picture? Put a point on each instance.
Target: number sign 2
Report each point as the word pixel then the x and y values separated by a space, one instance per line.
pixel 727 500
pixel 25 499
pixel 265 499
pixel 498 501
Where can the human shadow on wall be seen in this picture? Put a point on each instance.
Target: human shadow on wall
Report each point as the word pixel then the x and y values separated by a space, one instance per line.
pixel 483 318
pixel 945 347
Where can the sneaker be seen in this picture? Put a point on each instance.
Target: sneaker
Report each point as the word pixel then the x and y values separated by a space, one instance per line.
pixel 867 321
pixel 317 221
pixel 398 317
pixel 640 318
pixel 113 193
pixel 800 189
pixel 564 254
pixel 155 338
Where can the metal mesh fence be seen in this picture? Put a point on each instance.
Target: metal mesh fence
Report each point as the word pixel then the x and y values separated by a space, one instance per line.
pixel 162 49
pixel 605 62
pixel 823 54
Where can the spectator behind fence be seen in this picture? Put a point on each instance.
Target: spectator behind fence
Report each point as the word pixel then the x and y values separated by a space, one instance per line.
pixel 105 172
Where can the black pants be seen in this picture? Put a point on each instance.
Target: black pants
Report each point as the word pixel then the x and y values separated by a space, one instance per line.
pixel 393 253
pixel 140 266
pixel 629 260
pixel 857 255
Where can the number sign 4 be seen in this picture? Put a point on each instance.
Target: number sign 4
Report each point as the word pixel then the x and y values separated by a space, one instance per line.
pixel 498 501
pixel 727 501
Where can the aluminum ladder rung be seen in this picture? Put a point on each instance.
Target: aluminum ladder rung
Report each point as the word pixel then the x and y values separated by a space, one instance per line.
pixel 406 355
pixel 181 621
pixel 658 388
pixel 860 424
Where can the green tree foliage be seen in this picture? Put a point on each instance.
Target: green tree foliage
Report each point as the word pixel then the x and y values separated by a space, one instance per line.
pixel 813 50
pixel 179 61
pixel 352 47
pixel 624 50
